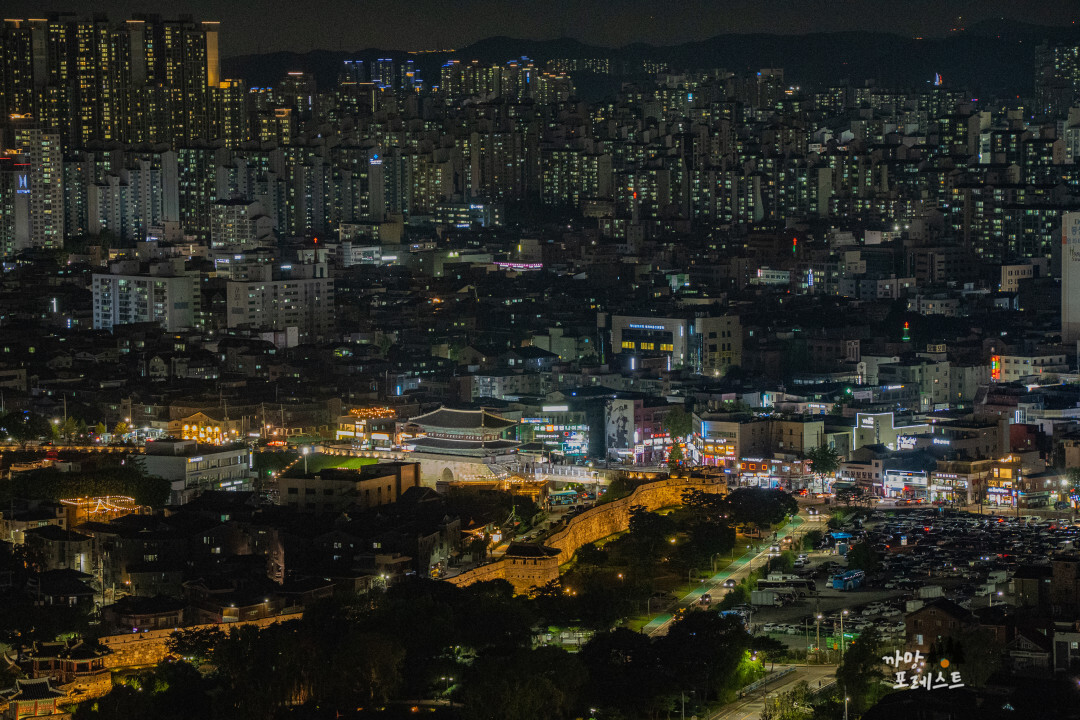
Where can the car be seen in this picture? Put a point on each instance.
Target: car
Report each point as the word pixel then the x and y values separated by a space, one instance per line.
pixel 803 556
pixel 706 599
pixel 768 627
pixel 1062 505
pixel 729 583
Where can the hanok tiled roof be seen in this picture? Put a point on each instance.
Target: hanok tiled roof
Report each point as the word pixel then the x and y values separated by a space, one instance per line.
pixel 426 443
pixel 36 689
pixel 462 419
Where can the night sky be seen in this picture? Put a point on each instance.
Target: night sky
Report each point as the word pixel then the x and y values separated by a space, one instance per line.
pixel 300 25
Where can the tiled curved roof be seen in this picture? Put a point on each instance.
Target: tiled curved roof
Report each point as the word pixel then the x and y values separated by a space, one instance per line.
pixel 462 419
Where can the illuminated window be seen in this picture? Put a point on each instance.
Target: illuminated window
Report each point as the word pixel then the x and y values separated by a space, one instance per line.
pixel 667 347
pixel 647 346
pixel 627 345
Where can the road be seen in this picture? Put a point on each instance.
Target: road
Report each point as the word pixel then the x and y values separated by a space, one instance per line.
pixel 737 570
pixel 750 707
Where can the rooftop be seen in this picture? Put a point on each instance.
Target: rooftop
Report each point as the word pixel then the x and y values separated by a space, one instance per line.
pixel 462 420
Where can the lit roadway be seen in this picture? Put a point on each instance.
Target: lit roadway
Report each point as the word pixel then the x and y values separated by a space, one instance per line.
pixel 737 570
pixel 751 706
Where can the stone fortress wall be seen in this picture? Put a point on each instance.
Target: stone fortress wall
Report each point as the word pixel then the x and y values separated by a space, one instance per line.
pixel 594 524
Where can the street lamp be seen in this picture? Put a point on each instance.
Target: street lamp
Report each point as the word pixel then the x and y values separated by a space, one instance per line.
pixel 305 452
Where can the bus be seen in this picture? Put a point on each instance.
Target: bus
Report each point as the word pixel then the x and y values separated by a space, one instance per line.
pixel 564 497
pixel 849 580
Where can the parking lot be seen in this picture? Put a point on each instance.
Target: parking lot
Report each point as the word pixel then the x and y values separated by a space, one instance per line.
pixel 924 553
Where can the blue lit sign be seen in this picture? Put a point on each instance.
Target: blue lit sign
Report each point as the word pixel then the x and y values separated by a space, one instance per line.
pixel 24 185
pixel 639 326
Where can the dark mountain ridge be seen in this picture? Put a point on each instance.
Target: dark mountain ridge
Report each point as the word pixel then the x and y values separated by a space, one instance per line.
pixel 993 58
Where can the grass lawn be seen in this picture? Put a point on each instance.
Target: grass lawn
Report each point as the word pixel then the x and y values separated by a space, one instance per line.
pixel 637 622
pixel 318 461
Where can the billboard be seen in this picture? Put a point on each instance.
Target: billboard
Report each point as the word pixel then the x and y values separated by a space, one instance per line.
pixel 619 417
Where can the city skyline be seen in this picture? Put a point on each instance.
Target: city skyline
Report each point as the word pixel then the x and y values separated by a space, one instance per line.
pixel 537 380
pixel 436 25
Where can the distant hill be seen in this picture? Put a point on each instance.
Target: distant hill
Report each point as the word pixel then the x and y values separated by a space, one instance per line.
pixel 992 57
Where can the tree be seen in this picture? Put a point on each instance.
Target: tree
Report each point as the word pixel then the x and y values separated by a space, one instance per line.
pixel 649 532
pixel 812 539
pixel 590 554
pixel 170 691
pixel 120 429
pixel 1073 475
pixel 860 672
pixel 100 429
pixel 68 429
pixel 850 495
pixel 25 426
pixel 771 650
pixel 626 676
pixel 523 685
pixel 761 507
pixel 784 562
pixel 675 457
pixel 702 651
pixel 677 423
pixel 197 645
pixel 478 548
pixel 862 556
pixel 824 459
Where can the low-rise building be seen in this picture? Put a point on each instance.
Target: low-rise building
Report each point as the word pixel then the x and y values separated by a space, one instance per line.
pixel 333 490
pixel 934 621
pixel 192 468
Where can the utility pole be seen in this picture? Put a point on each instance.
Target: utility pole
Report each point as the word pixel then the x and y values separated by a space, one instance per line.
pixel 842 636
pixel 818 618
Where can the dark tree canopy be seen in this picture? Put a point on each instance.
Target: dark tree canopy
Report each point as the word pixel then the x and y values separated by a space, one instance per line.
pixel 760 506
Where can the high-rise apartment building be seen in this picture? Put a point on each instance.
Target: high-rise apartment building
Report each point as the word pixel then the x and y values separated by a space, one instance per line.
pixel 38 177
pixel 233 124
pixel 382 73
pixel 239 224
pixel 1070 278
pixel 144 80
pixel 303 298
pixel 14 205
pixel 1057 78
pixel 353 71
pixel 123 297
